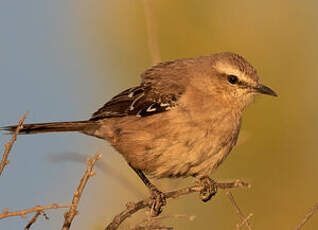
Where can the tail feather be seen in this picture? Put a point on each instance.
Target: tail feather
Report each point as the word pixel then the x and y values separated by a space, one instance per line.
pixel 71 126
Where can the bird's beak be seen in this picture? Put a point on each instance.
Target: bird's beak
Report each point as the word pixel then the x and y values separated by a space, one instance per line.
pixel 265 90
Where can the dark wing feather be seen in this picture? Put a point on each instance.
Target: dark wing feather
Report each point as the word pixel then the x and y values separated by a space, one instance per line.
pixel 140 101
pixel 161 87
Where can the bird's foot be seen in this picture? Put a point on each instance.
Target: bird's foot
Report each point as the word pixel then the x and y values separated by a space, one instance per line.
pixel 209 190
pixel 159 200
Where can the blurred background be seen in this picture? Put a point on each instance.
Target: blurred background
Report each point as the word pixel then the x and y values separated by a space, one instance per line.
pixel 61 60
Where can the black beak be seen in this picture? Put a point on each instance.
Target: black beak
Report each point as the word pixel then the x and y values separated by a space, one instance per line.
pixel 265 90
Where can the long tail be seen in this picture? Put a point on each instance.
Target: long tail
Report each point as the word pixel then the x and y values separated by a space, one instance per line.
pixel 71 126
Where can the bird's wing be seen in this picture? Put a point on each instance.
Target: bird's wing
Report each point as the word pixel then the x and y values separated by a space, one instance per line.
pixel 140 101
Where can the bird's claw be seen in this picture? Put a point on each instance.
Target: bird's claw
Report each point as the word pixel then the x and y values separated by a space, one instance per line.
pixel 209 190
pixel 159 200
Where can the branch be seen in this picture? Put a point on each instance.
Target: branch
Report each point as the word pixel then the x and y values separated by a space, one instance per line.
pixel 244 220
pixel 307 217
pixel 132 207
pixel 38 208
pixel 8 146
pixel 34 219
pixel 69 216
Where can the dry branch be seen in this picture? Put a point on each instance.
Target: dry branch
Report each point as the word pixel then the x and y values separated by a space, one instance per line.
pixel 34 219
pixel 38 208
pixel 307 217
pixel 132 207
pixel 8 146
pixel 69 216
pixel 244 220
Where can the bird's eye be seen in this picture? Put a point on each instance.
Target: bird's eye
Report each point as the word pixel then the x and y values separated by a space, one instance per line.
pixel 232 79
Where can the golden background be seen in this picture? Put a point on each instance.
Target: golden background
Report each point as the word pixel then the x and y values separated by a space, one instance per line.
pixel 277 148
pixel 72 56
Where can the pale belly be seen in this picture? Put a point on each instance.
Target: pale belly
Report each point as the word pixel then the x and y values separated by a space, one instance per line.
pixel 177 150
pixel 174 146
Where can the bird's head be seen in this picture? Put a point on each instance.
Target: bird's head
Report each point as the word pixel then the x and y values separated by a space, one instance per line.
pixel 229 77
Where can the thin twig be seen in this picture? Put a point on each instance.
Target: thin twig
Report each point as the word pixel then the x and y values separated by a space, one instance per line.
pixel 244 220
pixel 38 208
pixel 132 207
pixel 69 216
pixel 240 225
pixel 8 146
pixel 152 33
pixel 34 219
pixel 307 217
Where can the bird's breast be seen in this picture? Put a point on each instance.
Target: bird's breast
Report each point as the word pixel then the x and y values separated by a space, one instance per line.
pixel 172 146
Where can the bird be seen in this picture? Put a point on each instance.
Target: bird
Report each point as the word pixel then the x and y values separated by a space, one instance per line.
pixel 181 121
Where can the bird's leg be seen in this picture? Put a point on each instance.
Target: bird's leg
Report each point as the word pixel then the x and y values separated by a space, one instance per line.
pixel 159 198
pixel 209 190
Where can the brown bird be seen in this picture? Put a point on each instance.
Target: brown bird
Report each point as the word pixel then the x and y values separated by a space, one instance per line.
pixel 182 120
